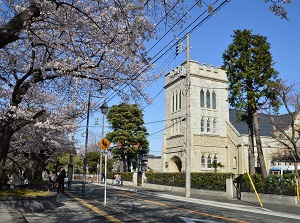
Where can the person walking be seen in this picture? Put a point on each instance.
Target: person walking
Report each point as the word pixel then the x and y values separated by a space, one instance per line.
pixel 118 179
pixel 53 177
pixel 61 181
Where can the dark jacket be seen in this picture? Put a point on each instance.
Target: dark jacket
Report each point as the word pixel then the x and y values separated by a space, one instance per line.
pixel 61 177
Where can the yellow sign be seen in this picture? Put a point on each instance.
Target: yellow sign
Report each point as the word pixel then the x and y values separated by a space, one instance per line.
pixel 104 143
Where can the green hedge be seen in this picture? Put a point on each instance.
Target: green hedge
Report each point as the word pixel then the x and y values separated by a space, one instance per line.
pixel 275 184
pixel 208 181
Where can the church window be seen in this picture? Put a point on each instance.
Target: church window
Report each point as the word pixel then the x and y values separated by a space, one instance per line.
pixel 258 162
pixel 207 99
pixel 209 161
pixel 215 126
pixel 179 99
pixel 202 161
pixel 202 98
pixel 173 103
pixel 176 101
pixel 202 125
pixel 208 125
pixel 214 101
pixel 235 161
pixel 215 158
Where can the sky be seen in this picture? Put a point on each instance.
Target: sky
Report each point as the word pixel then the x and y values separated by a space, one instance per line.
pixel 209 41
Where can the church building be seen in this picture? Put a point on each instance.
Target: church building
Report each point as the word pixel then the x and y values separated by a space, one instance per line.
pixel 215 135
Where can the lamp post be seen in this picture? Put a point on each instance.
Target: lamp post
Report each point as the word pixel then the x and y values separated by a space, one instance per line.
pixel 104 109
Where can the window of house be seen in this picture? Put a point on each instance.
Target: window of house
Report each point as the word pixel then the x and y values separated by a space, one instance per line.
pixel 208 125
pixel 202 98
pixel 209 161
pixel 207 99
pixel 214 101
pixel 202 124
pixel 215 126
pixel 202 161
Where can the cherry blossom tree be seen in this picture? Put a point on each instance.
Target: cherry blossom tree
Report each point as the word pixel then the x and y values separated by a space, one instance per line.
pixel 278 7
pixel 51 49
pixel 32 148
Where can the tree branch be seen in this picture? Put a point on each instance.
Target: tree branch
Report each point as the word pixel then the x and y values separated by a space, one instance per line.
pixel 10 31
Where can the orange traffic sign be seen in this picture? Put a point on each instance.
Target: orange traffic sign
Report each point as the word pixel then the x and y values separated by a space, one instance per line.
pixel 104 143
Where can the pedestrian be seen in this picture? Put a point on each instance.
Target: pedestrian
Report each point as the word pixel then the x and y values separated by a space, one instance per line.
pixel 17 180
pixel 53 177
pixel 103 177
pixel 118 179
pixel 61 181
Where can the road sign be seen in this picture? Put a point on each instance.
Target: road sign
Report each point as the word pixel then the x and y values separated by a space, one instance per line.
pixel 104 143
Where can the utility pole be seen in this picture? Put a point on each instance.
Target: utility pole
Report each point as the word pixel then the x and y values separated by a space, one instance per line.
pixel 72 149
pixel 86 144
pixel 188 122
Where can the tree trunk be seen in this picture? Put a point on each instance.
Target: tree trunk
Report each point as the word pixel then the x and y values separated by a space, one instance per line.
pixel 251 147
pixel 122 164
pixel 38 172
pixel 5 137
pixel 128 163
pixel 259 147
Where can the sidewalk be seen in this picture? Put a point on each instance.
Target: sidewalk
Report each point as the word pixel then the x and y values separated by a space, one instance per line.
pixel 66 212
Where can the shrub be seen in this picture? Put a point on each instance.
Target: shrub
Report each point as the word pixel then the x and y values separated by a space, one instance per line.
pixel 275 184
pixel 209 181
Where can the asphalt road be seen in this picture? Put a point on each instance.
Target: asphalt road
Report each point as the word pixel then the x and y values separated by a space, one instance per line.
pixel 124 204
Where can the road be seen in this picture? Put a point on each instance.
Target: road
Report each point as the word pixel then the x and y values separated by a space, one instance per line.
pixel 128 205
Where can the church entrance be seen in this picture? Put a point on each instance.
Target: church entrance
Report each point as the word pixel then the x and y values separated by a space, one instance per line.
pixel 175 164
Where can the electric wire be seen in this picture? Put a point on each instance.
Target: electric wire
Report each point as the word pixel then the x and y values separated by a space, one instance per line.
pixel 170 47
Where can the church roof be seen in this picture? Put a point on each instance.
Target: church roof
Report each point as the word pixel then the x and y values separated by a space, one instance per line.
pixel 266 128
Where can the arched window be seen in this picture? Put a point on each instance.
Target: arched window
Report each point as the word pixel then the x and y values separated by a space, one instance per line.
pixel 179 99
pixel 202 124
pixel 214 100
pixel 202 161
pixel 208 125
pixel 215 159
pixel 257 161
pixel 209 161
pixel 207 99
pixel 202 98
pixel 215 126
pixel 176 101
pixel 173 103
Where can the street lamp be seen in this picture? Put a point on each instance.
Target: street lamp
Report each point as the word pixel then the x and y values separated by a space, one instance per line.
pixel 104 110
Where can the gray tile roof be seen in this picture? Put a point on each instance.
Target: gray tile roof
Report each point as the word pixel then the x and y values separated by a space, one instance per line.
pixel 266 127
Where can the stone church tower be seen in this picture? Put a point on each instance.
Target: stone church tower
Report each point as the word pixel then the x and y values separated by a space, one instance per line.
pixel 209 114
pixel 214 133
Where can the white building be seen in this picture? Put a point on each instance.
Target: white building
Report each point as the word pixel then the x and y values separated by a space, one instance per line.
pixel 215 135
